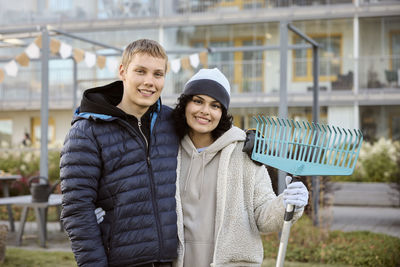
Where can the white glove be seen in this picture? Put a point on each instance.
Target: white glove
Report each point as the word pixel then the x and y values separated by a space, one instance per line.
pixel 295 194
pixel 100 213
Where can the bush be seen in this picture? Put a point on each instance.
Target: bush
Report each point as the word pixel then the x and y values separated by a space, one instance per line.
pixel 308 243
pixel 377 162
pixel 26 163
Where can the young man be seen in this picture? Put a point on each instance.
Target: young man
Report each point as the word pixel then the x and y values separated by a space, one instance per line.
pixel 120 155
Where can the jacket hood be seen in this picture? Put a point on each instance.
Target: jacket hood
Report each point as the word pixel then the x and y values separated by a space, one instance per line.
pixel 103 99
pixel 101 102
pixel 200 160
pixel 234 134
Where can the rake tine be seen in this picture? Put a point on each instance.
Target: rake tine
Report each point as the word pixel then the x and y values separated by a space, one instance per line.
pixel 307 143
pixel 312 146
pixel 292 141
pixel 337 148
pixel 302 141
pixel 341 151
pixel 283 140
pixel 360 135
pixel 287 141
pixel 332 145
pixel 264 145
pixel 258 133
pixel 269 148
pixel 316 144
pixel 273 141
pixel 297 142
pixel 318 160
pixel 349 150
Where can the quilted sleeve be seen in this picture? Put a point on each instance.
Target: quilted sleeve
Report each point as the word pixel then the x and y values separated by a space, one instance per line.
pixel 80 170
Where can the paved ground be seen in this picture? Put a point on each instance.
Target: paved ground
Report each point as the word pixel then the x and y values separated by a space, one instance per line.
pixel 342 215
pixel 346 218
pixel 384 220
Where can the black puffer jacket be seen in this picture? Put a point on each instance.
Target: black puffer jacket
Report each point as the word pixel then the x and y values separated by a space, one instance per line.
pixel 105 163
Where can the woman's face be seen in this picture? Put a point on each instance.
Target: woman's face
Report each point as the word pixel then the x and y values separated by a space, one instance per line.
pixel 203 114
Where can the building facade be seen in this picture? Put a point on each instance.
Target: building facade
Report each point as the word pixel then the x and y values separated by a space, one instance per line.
pixel 359 57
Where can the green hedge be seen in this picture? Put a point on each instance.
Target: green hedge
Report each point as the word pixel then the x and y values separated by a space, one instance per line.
pixel 26 163
pixel 377 162
pixel 312 244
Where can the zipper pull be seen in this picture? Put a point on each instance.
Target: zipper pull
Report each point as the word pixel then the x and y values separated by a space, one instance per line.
pixel 139 123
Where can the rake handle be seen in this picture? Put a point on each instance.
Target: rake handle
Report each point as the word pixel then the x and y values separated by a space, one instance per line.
pixel 287 223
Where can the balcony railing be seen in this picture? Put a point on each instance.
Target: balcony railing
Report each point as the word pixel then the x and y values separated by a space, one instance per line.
pixel 59 11
pixel 246 77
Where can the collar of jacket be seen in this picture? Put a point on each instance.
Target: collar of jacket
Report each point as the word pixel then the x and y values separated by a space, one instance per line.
pixel 104 117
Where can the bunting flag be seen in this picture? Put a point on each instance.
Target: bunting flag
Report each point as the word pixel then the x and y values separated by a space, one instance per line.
pixel 78 54
pixel 101 62
pixel 54 46
pixel 65 50
pixel 38 41
pixel 32 51
pixel 1 75
pixel 11 68
pixel 203 56
pixel 176 65
pixel 185 63
pixel 194 60
pixel 22 59
pixel 112 64
pixel 90 59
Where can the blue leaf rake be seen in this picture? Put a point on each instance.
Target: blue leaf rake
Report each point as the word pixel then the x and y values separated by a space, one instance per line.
pixel 306 149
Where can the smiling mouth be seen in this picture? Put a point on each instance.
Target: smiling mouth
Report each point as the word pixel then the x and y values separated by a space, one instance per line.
pixel 202 120
pixel 146 92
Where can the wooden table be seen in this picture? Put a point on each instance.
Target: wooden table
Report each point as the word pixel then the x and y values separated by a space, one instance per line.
pixel 4 180
pixel 40 209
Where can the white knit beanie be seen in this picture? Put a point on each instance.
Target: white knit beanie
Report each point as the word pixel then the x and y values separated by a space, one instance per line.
pixel 211 82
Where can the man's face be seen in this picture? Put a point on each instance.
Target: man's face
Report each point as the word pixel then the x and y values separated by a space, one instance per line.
pixel 143 81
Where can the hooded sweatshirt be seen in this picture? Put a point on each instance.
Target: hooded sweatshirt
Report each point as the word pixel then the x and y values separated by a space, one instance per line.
pixel 224 201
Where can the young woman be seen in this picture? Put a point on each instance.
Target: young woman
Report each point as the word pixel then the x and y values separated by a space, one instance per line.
pixel 224 199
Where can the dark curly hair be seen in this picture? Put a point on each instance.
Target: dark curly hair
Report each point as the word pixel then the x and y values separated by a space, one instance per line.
pixel 181 126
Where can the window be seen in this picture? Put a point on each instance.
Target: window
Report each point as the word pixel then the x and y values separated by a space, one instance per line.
pixel 330 60
pixel 252 68
pixel 5 132
pixel 244 70
pixel 395 50
pixel 36 133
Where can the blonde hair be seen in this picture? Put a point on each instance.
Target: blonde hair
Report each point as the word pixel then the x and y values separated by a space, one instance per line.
pixel 143 46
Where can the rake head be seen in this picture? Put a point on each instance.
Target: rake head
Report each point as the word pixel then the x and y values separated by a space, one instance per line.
pixel 305 149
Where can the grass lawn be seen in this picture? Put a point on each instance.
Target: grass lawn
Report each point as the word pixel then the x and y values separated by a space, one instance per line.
pixel 16 257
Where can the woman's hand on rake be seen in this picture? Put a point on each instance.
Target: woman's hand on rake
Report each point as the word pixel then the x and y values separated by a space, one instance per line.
pixel 296 194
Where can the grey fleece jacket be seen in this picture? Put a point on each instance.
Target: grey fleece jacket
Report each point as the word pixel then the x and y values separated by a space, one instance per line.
pixel 224 202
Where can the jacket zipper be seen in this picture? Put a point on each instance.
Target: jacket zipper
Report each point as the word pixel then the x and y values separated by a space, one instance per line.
pixel 153 191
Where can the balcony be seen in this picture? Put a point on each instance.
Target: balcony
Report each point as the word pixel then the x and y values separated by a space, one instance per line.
pixel 253 82
pixel 113 14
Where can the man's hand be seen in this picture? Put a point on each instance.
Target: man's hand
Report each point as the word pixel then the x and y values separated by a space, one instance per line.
pixel 295 194
pixel 249 143
pixel 100 213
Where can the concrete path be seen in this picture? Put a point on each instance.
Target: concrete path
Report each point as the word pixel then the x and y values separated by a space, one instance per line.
pixel 355 207
pixel 384 220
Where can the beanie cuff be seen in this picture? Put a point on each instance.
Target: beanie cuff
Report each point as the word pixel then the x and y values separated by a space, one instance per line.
pixel 210 88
